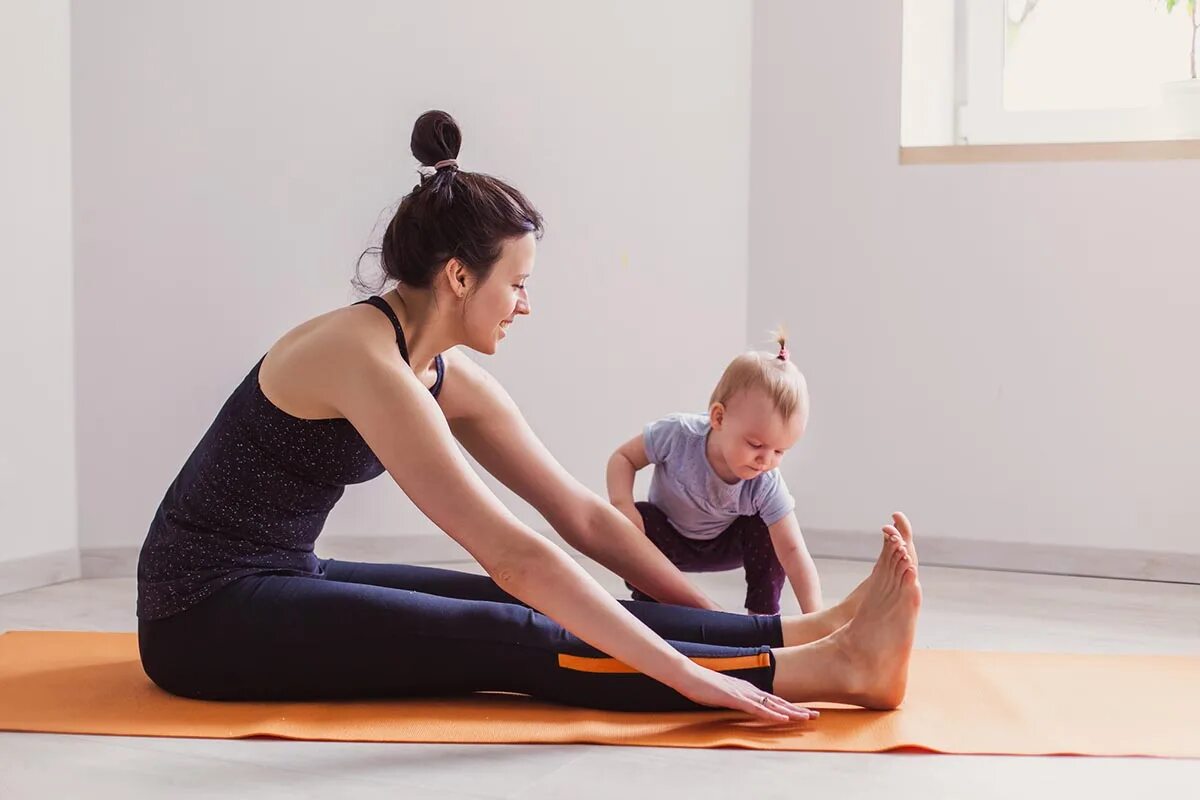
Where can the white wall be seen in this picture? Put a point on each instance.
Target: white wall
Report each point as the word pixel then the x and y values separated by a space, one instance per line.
pixel 233 158
pixel 37 457
pixel 1005 351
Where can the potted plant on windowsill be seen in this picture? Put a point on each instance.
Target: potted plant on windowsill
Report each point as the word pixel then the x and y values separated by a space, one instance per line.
pixel 1181 99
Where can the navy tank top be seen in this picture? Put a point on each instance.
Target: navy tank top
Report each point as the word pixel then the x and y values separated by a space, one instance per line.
pixel 252 497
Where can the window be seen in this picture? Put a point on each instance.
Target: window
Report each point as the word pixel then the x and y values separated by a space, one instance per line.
pixel 1049 71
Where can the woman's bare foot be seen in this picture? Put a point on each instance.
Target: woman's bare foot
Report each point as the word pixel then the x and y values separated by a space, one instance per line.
pixel 877 643
pixel 866 661
pixel 902 529
pixel 804 628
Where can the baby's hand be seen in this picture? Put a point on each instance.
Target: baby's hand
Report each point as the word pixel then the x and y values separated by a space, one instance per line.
pixel 632 514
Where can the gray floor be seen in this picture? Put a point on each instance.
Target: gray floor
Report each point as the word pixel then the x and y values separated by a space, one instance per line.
pixel 963 609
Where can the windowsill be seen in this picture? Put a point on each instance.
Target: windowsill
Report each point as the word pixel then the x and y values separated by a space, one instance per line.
pixel 1074 151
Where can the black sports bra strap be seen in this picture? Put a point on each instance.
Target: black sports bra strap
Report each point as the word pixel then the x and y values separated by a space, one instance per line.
pixel 441 375
pixel 439 363
pixel 383 306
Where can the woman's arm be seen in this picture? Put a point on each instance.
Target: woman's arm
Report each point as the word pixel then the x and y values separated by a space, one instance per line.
pixel 402 424
pixel 491 427
pixel 797 563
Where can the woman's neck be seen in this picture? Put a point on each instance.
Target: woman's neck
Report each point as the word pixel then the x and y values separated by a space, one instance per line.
pixel 428 330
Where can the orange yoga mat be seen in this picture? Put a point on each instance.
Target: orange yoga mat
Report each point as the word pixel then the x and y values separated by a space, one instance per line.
pixel 958 702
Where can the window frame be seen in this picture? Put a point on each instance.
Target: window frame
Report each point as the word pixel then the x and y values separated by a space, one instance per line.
pixel 980 116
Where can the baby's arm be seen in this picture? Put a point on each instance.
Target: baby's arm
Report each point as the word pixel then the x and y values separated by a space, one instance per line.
pixel 622 467
pixel 797 563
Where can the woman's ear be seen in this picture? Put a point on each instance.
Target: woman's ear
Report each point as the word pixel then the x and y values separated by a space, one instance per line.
pixel 458 278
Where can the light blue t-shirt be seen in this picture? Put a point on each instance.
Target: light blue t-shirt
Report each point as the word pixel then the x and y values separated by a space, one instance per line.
pixel 697 502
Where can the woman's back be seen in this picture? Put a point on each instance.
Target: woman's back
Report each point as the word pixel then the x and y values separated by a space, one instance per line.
pixel 253 496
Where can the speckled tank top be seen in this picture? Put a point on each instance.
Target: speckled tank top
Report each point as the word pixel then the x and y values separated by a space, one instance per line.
pixel 253 496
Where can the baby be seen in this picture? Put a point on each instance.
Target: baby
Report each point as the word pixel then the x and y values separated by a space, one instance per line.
pixel 717 500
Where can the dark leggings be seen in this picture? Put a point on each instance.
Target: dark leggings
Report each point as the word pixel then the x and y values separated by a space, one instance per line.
pixel 745 543
pixel 384 630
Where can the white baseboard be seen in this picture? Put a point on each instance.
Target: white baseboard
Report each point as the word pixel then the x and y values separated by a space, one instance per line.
pixel 121 562
pixel 1046 559
pixel 20 574
pixel 1142 565
pixel 109 562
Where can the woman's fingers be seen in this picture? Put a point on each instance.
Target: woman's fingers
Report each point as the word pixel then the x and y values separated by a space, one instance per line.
pixel 792 710
pixel 717 689
pixel 763 710
pixel 771 707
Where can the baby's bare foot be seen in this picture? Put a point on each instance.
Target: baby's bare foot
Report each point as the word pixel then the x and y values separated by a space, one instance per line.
pixel 877 643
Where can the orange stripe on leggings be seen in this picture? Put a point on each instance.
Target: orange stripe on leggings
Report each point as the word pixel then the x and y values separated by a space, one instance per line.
pixel 612 666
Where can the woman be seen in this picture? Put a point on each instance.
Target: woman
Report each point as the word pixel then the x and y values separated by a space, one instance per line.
pixel 232 603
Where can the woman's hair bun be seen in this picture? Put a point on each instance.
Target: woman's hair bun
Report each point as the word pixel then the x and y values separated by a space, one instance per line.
pixel 435 138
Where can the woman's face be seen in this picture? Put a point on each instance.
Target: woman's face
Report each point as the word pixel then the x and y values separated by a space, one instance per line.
pixel 502 297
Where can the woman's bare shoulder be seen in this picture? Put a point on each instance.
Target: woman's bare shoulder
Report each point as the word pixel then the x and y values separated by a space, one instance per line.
pixel 296 372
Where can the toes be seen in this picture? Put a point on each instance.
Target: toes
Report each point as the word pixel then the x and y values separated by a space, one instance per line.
pixel 893 535
pixel 908 548
pixel 905 529
pixel 887 558
pixel 892 539
pixel 890 545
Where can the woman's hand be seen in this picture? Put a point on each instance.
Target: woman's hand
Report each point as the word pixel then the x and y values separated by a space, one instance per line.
pixel 711 688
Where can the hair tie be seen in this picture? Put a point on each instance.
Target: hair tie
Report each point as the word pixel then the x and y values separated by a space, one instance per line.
pixel 444 163
pixel 783 353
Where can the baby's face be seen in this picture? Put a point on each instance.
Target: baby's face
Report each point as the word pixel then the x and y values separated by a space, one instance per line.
pixel 754 436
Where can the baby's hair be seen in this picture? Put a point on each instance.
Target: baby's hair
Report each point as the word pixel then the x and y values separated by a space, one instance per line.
pixel 774 374
pixel 780 337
